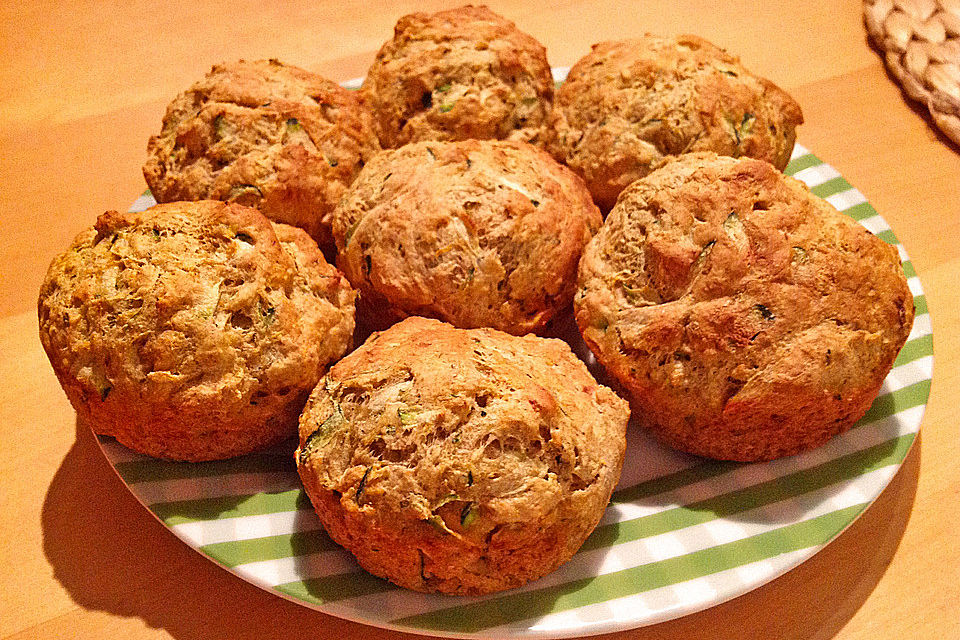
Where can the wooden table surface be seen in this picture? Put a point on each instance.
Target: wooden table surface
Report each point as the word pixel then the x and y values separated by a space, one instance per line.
pixel 85 83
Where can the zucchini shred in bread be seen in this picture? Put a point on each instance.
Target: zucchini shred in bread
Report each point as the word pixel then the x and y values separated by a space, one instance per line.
pixel 264 134
pixel 193 330
pixel 629 104
pixel 476 233
pixel 747 318
pixel 460 461
pixel 458 74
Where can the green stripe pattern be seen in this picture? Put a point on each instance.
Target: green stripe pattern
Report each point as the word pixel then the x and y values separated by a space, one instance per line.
pixel 586 591
pixel 880 440
pixel 232 553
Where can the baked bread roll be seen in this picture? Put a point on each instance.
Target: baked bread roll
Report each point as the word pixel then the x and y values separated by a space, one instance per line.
pixel 747 318
pixel 476 233
pixel 458 74
pixel 460 461
pixel 263 134
pixel 629 104
pixel 193 330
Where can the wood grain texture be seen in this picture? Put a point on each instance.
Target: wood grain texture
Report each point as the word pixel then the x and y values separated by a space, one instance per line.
pixel 84 85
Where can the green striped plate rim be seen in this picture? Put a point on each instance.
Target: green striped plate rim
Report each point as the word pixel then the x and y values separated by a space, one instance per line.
pixel 681 534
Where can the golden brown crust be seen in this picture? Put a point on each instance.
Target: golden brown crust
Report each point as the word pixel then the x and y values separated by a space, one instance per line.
pixel 193 330
pixel 628 104
pixel 458 74
pixel 748 318
pixel 460 461
pixel 477 233
pixel 264 134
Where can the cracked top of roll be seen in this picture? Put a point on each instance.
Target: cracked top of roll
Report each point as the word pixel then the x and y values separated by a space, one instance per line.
pixel 458 74
pixel 747 317
pixel 628 104
pixel 476 233
pixel 461 461
pixel 264 134
pixel 191 330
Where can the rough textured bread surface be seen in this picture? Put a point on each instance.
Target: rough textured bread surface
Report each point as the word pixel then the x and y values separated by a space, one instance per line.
pixel 193 330
pixel 263 134
pixel 748 318
pixel 477 233
pixel 629 104
pixel 460 461
pixel 458 74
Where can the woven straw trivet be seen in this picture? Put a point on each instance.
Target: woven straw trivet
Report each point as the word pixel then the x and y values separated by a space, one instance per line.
pixel 921 44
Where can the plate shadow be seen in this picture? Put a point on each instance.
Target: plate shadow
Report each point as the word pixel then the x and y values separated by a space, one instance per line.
pixel 111 555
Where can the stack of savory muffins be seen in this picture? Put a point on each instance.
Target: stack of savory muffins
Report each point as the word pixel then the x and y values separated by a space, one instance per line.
pixel 744 318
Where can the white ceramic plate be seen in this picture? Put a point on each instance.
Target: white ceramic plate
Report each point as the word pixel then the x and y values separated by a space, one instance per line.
pixel 681 534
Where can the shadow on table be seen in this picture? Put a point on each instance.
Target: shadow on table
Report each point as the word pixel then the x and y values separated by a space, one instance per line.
pixel 112 555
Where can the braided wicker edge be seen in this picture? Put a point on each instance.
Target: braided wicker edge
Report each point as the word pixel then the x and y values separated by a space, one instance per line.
pixel 907 34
